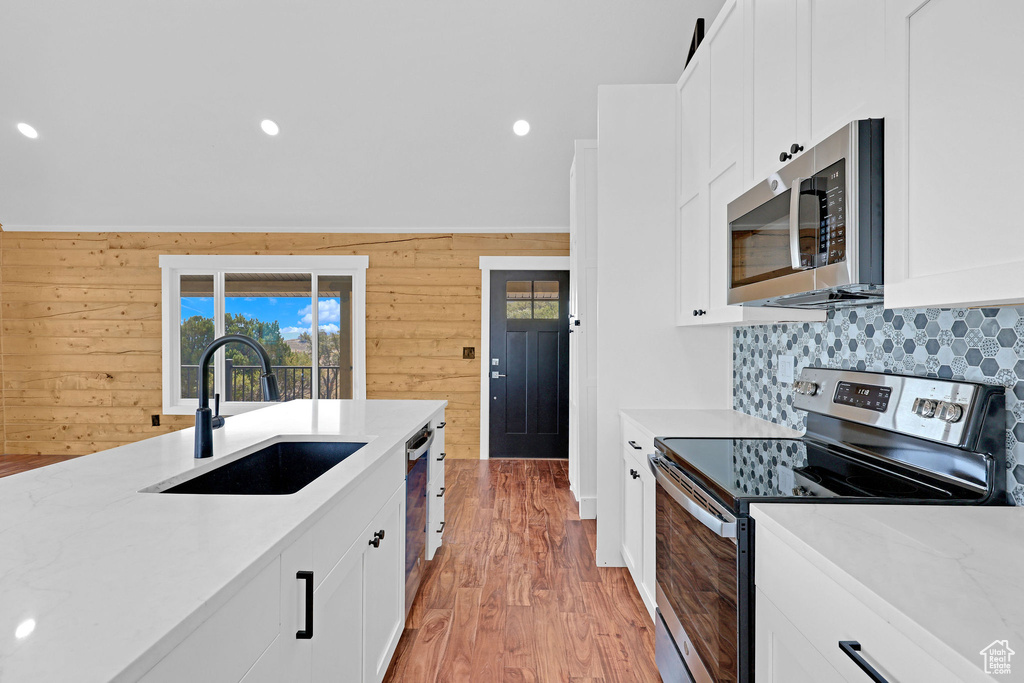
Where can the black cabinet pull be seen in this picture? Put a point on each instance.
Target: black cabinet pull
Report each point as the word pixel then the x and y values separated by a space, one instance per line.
pixel 378 536
pixel 796 148
pixel 852 650
pixel 785 157
pixel 441 495
pixel 306 633
pixel 441 425
pixel 695 313
pixel 443 456
pixel 633 444
pixel 440 528
pixel 634 474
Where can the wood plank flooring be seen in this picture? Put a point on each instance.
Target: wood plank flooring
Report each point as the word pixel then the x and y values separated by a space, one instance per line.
pixel 12 464
pixel 514 595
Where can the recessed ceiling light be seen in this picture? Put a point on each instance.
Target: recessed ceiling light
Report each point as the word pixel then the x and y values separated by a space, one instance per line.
pixel 28 131
pixel 269 127
pixel 521 127
pixel 25 628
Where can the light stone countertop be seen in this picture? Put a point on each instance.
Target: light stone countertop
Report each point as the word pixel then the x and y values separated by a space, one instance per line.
pixel 115 578
pixel 722 423
pixel 946 576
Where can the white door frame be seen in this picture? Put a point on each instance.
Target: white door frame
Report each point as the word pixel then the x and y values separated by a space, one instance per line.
pixel 487 264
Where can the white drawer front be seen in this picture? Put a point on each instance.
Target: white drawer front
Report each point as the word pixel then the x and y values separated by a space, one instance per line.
pixel 826 613
pixel 634 439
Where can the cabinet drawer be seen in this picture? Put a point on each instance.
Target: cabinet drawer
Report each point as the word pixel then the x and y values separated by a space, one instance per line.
pixel 826 613
pixel 340 527
pixel 437 453
pixel 225 646
pixel 435 510
pixel 633 436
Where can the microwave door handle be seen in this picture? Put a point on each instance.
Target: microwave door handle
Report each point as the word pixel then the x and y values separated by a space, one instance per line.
pixel 719 527
pixel 794 225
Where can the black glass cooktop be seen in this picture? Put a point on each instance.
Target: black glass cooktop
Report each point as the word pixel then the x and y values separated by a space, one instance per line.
pixel 739 471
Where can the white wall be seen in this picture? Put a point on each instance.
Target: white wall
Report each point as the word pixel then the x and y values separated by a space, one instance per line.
pixel 643 359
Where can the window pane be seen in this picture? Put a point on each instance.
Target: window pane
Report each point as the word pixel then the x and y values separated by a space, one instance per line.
pixel 275 310
pixel 334 339
pixel 545 289
pixel 196 330
pixel 545 310
pixel 518 290
pixel 518 309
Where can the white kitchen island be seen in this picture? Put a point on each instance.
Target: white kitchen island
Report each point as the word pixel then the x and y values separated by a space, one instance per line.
pixel 100 581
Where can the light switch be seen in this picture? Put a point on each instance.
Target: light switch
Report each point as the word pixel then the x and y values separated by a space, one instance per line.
pixel 787 368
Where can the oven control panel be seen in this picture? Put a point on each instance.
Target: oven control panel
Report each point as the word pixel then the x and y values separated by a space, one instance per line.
pixel 926 407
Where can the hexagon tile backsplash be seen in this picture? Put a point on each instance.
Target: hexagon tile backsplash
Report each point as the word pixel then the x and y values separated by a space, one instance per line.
pixel 978 344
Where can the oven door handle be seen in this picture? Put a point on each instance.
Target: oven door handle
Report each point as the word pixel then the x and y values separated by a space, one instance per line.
pixel 724 528
pixel 794 225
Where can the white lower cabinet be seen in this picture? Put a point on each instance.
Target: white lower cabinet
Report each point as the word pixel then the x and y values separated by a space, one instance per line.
pixel 782 654
pixel 353 560
pixel 638 511
pixel 802 614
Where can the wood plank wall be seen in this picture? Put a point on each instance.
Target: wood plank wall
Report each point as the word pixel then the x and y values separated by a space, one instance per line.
pixel 80 343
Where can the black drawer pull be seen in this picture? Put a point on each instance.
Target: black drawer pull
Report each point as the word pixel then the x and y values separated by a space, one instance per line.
pixel 633 444
pixel 378 536
pixel 441 425
pixel 441 495
pixel 852 650
pixel 306 633
pixel 443 456
pixel 440 528
pixel 634 474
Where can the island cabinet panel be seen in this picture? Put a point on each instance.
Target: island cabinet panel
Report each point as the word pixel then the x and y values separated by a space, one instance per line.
pixel 80 318
pixel 823 613
pixel 358 605
pixel 232 640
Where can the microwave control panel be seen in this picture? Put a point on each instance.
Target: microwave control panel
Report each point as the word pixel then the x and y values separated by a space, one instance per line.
pixel 823 204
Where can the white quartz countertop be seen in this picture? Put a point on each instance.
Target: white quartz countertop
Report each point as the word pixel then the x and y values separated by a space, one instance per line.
pixel 114 578
pixel 698 423
pixel 947 577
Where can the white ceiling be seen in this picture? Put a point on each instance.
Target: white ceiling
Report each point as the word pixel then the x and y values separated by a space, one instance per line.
pixel 393 113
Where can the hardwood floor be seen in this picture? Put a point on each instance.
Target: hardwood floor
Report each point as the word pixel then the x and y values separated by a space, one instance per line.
pixel 12 464
pixel 514 595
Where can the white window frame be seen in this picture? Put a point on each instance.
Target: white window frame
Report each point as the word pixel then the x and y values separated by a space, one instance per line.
pixel 173 266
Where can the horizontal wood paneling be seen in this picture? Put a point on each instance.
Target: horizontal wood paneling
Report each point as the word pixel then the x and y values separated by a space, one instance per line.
pixel 80 321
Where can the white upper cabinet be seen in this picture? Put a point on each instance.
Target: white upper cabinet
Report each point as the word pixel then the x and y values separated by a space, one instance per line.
pixel 953 138
pixel 712 111
pixel 843 64
pixel 774 39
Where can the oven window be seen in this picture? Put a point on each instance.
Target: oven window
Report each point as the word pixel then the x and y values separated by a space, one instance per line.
pixel 697 572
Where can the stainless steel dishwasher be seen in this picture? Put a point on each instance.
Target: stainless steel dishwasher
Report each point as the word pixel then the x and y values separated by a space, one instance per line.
pixel 416 450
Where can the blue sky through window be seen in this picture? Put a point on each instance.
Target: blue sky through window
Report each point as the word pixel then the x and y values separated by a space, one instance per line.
pixel 293 314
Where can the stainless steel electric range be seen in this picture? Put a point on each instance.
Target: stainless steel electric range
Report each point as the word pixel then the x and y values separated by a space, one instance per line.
pixel 871 438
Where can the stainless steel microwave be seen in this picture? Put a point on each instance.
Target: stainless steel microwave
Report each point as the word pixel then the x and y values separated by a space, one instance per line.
pixel 810 235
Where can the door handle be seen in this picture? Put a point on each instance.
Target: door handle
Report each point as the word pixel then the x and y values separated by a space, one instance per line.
pixel 496 375
pixel 306 633
pixel 794 225
pixel 852 650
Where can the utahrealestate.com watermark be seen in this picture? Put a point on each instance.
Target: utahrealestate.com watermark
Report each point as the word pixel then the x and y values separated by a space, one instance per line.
pixel 997 657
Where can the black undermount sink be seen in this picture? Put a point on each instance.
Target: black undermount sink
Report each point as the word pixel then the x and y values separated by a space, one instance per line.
pixel 279 469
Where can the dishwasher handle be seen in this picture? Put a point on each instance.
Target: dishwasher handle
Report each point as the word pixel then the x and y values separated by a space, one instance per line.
pixel 416 450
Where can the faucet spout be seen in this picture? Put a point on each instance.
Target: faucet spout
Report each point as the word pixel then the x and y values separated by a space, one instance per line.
pixel 204 416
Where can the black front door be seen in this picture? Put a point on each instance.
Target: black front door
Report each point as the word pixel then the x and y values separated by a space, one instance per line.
pixel 529 364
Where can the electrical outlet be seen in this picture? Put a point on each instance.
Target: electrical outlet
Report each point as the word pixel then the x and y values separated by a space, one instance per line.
pixel 469 352
pixel 786 368
pixel 156 420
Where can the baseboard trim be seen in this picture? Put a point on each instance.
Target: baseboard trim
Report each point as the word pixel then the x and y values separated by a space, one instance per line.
pixel 588 507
